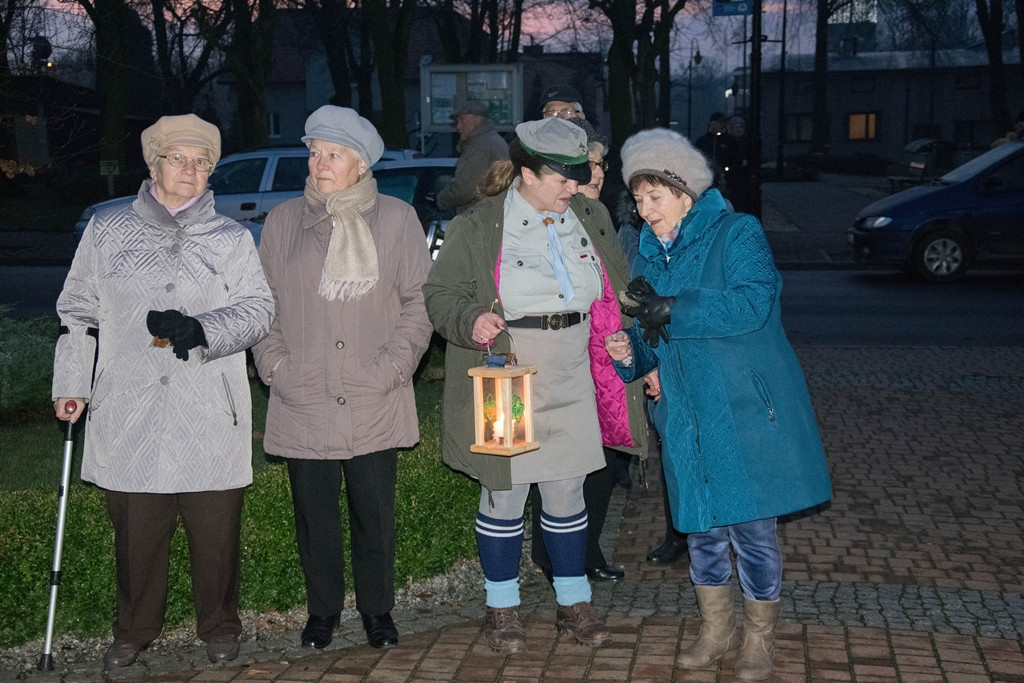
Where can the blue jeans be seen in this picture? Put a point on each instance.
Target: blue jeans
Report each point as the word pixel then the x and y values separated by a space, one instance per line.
pixel 758 558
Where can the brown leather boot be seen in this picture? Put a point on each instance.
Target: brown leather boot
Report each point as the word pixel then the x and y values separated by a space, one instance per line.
pixel 505 634
pixel 718 636
pixel 757 655
pixel 583 623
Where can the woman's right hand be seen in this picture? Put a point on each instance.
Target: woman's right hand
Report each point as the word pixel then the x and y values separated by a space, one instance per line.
pixel 487 327
pixel 60 407
pixel 617 345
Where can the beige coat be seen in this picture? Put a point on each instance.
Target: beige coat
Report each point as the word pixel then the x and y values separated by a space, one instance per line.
pixel 340 372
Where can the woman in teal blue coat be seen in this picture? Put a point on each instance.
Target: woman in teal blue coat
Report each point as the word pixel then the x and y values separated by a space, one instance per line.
pixel 739 439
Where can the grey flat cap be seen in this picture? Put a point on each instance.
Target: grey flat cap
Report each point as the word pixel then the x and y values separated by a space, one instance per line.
pixel 561 145
pixel 345 127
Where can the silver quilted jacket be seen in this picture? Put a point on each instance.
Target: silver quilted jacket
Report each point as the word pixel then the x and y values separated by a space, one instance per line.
pixel 157 424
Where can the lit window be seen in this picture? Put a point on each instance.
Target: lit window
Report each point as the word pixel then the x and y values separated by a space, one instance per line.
pixel 863 126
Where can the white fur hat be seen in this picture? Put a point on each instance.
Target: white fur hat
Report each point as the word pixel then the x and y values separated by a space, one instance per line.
pixel 669 156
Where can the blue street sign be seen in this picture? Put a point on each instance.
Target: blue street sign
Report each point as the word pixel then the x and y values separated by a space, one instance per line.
pixel 731 8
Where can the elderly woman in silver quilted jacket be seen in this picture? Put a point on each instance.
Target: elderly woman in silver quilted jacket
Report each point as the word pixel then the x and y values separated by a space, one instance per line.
pixel 162 299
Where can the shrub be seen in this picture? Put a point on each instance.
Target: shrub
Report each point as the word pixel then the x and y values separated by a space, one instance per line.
pixel 434 512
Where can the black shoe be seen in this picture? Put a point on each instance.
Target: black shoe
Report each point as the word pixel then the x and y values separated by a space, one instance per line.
pixel 606 573
pixel 319 631
pixel 667 553
pixel 380 630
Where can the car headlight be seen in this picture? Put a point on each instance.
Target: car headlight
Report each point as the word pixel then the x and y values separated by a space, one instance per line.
pixel 874 222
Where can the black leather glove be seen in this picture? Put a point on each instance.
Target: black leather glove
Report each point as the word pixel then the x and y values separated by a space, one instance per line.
pixel 185 332
pixel 652 311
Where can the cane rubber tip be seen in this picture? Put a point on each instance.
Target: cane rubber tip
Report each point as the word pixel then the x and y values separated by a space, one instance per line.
pixel 70 407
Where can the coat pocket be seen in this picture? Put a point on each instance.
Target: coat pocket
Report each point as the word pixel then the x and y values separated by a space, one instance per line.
pixel 762 391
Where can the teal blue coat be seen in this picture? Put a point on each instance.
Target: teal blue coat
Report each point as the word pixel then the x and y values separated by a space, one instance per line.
pixel 739 440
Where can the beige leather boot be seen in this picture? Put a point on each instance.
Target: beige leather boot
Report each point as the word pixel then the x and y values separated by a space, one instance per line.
pixel 718 636
pixel 758 651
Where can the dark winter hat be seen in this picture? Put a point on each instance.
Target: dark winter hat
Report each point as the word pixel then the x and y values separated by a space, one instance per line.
pixel 472 107
pixel 595 141
pixel 187 129
pixel 669 156
pixel 345 127
pixel 563 92
pixel 559 144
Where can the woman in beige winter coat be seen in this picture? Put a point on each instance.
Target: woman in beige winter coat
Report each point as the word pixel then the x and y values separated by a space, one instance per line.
pixel 169 430
pixel 346 265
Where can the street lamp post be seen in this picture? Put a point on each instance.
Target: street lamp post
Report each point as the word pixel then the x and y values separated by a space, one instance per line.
pixel 695 58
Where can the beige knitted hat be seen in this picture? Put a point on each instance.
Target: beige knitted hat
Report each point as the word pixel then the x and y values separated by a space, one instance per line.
pixel 668 155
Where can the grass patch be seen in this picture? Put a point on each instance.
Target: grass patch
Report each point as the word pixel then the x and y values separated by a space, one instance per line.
pixel 434 512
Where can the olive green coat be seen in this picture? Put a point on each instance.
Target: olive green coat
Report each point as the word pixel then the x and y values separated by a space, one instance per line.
pixel 461 286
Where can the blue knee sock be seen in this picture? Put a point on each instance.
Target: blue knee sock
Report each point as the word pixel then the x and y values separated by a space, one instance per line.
pixel 566 541
pixel 500 543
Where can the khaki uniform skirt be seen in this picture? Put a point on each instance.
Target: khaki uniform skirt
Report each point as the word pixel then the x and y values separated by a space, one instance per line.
pixel 564 408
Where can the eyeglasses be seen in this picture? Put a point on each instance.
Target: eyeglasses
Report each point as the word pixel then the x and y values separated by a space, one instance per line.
pixel 566 113
pixel 178 160
pixel 603 165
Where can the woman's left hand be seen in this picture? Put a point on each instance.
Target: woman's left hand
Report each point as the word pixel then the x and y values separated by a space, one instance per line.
pixel 653 388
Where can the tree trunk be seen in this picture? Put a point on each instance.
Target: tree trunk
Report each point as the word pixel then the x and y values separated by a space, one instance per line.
pixel 110 18
pixel 332 21
pixel 819 94
pixel 620 101
pixel 990 16
pixel 390 46
pixel 249 59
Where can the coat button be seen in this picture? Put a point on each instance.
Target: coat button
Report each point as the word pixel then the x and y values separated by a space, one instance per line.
pixel 340 344
pixel 179 233
pixel 526 222
pixel 176 249
pixel 169 287
pixel 165 380
pixel 583 242
pixel 519 263
pixel 341 400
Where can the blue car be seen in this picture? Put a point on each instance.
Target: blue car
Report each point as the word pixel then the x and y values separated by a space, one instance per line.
pixel 973 214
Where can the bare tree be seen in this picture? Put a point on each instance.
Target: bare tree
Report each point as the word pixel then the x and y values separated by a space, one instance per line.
pixel 389 26
pixel 110 19
pixel 189 36
pixel 990 17
pixel 249 54
pixel 641 32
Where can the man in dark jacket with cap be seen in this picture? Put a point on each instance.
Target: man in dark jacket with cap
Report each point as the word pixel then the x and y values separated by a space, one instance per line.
pixel 479 146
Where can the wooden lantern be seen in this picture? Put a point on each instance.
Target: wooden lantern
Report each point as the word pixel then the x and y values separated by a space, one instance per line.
pixel 503 409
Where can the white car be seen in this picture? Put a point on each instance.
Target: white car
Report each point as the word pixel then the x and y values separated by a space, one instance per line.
pixel 247 186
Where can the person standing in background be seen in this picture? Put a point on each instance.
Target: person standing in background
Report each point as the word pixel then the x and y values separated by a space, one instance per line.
pixel 479 146
pixel 563 101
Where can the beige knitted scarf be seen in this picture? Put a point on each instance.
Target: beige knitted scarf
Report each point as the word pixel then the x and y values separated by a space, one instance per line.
pixel 350 267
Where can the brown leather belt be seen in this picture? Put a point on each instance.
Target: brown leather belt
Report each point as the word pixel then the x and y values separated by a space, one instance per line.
pixel 555 321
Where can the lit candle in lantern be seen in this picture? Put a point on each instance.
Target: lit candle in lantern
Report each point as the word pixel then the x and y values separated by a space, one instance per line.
pixel 499 429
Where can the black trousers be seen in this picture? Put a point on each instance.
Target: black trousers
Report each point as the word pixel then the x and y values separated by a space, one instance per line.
pixel 144 524
pixel 597 492
pixel 370 491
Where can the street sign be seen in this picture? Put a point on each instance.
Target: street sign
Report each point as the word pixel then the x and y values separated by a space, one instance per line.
pixel 110 167
pixel 731 8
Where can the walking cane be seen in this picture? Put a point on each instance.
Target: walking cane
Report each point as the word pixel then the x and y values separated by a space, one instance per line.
pixel 46 661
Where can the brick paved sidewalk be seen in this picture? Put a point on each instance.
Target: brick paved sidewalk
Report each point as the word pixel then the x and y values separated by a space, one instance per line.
pixel 913 573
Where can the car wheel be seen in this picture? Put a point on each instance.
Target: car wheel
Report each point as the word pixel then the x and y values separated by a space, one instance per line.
pixel 941 256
